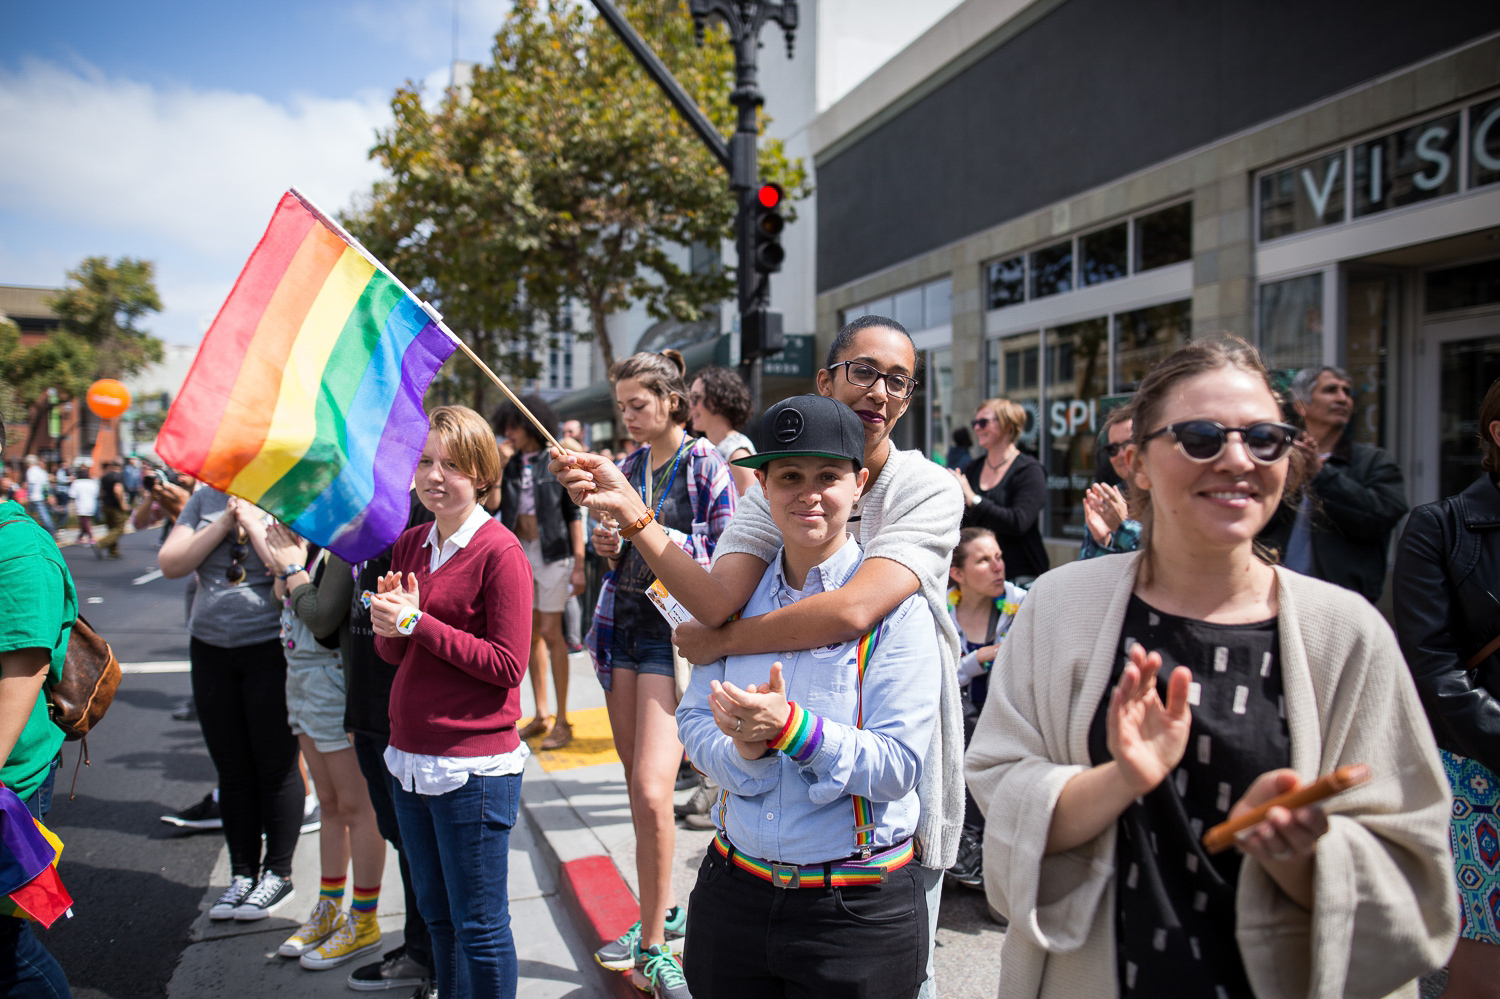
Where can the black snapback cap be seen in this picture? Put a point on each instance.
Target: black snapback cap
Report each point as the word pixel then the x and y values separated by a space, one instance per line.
pixel 808 426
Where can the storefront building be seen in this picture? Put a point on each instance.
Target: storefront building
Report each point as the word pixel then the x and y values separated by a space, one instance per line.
pixel 1089 184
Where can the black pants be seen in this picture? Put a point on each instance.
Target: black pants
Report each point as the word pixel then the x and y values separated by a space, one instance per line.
pixel 241 699
pixel 748 938
pixel 370 751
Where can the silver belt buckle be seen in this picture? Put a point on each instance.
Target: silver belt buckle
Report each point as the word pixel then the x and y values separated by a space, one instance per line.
pixel 786 876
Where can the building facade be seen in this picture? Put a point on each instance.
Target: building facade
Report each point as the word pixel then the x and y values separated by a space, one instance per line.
pixel 1054 194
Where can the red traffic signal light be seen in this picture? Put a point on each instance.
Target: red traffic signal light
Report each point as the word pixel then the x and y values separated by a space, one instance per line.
pixel 769 195
pixel 766 225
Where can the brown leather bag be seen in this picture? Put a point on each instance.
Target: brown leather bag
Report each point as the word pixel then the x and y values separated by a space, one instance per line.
pixel 91 675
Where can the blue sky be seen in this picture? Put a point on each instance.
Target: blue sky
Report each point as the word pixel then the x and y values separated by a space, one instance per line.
pixel 167 130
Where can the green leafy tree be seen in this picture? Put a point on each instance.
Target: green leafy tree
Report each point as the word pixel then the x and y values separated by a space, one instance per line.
pixel 36 378
pixel 561 174
pixel 103 305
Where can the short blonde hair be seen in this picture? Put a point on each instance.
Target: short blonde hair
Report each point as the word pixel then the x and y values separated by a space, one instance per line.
pixel 470 445
pixel 1010 414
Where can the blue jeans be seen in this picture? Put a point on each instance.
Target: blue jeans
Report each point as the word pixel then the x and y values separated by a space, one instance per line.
pixel 43 514
pixel 458 846
pixel 27 971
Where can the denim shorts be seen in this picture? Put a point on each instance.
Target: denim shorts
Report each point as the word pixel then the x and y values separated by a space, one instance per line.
pixel 644 654
pixel 315 703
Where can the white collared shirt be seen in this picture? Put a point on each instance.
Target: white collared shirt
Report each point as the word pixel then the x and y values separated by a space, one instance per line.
pixel 458 539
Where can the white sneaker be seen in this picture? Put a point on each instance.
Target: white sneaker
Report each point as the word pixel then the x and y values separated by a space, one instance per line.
pixel 232 898
pixel 272 893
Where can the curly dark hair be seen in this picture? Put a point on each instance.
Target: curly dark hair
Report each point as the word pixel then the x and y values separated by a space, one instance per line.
pixel 508 415
pixel 725 393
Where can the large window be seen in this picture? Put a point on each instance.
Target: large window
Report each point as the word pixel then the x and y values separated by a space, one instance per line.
pixel 1408 165
pixel 1144 337
pixel 1052 270
pixel 1371 313
pixel 1146 242
pixel 1104 255
pixel 924 307
pixel 1077 375
pixel 1291 323
pixel 1066 378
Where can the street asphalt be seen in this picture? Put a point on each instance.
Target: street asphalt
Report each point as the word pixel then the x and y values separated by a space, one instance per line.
pixel 136 883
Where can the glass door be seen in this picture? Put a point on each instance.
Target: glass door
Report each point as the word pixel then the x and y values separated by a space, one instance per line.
pixel 1459 360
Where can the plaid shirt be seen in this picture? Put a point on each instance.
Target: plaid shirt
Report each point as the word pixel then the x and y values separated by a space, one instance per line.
pixel 712 493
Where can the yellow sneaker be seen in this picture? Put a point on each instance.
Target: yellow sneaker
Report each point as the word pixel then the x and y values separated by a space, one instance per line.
pixel 357 934
pixel 323 921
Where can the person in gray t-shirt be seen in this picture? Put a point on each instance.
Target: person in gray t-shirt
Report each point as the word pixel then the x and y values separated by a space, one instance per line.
pixel 239 687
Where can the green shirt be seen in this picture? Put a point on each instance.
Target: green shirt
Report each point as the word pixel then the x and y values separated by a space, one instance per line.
pixel 38 605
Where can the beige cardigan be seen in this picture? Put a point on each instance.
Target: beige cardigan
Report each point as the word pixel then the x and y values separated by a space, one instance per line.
pixel 1386 907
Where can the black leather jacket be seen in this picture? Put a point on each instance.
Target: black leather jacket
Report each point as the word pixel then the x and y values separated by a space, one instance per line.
pixel 1358 499
pixel 555 509
pixel 1447 577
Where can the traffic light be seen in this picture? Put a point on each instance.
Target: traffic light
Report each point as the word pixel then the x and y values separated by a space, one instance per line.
pixel 761 333
pixel 768 225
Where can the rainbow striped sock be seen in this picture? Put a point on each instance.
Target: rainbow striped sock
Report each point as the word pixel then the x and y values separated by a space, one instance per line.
pixel 365 899
pixel 333 890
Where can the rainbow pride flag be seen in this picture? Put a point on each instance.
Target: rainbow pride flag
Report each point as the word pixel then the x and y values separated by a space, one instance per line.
pixel 306 395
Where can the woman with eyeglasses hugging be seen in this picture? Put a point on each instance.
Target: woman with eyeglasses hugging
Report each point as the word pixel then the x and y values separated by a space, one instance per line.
pixel 1141 700
pixel 239 687
pixel 1005 489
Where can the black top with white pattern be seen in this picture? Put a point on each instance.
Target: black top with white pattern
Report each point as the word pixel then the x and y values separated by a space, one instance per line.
pixel 1174 904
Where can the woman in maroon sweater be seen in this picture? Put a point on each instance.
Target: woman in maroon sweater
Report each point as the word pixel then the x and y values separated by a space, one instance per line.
pixel 455 612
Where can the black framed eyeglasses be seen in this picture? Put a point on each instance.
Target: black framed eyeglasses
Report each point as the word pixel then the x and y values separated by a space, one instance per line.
pixel 865 376
pixel 1204 440
pixel 235 574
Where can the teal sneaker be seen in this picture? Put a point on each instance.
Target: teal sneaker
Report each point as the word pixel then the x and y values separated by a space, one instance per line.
pixel 619 954
pixel 658 974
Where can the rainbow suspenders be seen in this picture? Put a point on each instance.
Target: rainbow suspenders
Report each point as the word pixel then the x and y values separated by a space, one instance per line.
pixel 864 815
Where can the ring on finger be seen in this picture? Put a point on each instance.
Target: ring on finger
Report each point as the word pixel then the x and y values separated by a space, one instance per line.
pixel 737 723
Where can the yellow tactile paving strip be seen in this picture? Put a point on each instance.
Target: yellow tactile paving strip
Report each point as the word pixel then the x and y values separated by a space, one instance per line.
pixel 593 743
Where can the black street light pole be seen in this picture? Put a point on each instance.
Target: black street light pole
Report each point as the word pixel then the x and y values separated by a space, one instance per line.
pixel 744 19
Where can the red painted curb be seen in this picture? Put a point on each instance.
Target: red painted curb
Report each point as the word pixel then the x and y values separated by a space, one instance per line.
pixel 603 908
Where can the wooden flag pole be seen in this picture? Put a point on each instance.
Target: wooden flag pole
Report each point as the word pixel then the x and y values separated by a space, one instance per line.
pixel 504 388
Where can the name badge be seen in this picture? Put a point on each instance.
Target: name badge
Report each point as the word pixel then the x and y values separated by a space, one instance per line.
pixel 834 651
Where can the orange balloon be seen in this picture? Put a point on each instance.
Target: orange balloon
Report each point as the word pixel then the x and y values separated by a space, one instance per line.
pixel 108 398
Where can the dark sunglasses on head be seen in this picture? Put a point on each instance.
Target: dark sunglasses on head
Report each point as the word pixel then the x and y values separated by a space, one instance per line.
pixel 1204 440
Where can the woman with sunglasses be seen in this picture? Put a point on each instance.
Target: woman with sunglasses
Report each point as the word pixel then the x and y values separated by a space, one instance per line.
pixel 239 688
pixel 1139 701
pixel 1005 489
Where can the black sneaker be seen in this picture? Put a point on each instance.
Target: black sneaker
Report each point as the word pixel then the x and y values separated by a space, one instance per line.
pixel 312 821
pixel 395 971
pixel 186 711
pixel 272 893
pixel 686 777
pixel 239 887
pixel 203 815
pixel 968 870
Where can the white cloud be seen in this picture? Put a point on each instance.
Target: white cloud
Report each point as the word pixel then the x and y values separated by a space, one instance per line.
pixel 199 168
pixel 187 178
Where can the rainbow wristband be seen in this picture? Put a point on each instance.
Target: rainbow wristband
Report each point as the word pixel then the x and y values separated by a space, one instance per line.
pixel 801 736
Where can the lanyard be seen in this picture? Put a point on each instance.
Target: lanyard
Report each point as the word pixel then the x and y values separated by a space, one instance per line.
pixel 646 478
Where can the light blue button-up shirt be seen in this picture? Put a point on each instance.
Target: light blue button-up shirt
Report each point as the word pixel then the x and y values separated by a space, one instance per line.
pixel 803 813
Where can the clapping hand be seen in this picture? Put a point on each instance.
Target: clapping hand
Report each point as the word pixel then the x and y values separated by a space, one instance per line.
pixel 752 716
pixel 391 600
pixel 287 548
pixel 1146 737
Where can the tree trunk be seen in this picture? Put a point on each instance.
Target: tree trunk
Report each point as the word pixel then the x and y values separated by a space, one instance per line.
pixel 607 355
